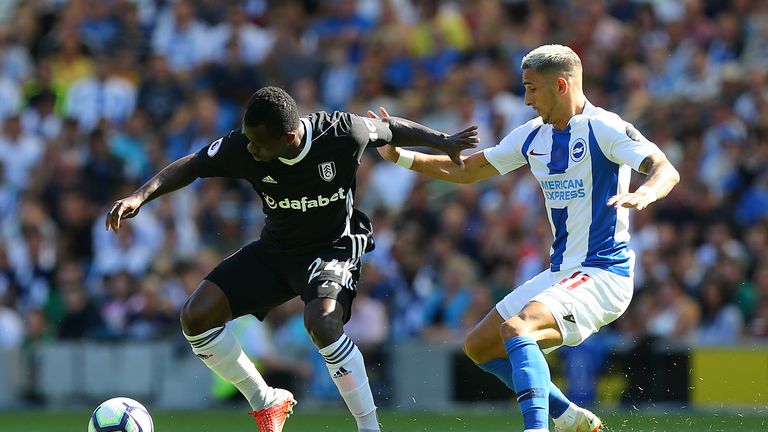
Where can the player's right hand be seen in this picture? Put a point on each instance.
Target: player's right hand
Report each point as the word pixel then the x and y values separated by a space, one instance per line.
pixel 456 143
pixel 125 208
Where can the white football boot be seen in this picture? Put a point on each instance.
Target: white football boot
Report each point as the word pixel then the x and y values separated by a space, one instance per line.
pixel 583 421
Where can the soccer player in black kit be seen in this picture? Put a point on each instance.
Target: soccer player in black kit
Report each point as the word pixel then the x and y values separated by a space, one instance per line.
pixel 304 171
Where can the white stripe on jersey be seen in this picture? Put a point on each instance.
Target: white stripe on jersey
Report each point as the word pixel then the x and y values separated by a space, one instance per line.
pixel 358 242
pixel 579 169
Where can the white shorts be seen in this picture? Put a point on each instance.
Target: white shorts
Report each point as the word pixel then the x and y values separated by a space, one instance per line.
pixel 582 300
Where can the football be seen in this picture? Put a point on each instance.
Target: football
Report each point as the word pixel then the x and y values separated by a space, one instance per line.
pixel 120 415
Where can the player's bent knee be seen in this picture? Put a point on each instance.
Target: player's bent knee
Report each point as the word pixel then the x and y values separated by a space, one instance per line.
pixel 191 317
pixel 324 330
pixel 204 310
pixel 475 349
pixel 482 347
pixel 472 350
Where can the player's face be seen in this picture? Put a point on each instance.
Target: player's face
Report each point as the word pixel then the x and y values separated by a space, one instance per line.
pixel 541 93
pixel 265 146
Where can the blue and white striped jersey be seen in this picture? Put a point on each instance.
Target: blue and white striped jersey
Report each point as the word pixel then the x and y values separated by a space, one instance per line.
pixel 579 169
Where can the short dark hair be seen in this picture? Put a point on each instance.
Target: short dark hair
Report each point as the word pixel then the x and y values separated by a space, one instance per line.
pixel 552 58
pixel 274 108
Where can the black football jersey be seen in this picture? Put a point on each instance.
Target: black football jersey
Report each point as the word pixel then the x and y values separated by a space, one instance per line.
pixel 307 201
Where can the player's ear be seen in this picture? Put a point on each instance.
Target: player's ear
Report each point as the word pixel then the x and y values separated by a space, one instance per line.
pixel 562 85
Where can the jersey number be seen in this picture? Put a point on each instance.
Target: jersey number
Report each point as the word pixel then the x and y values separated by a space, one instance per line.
pixel 338 268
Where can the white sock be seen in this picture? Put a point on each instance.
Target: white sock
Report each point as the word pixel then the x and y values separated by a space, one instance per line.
pixel 347 369
pixel 566 420
pixel 221 352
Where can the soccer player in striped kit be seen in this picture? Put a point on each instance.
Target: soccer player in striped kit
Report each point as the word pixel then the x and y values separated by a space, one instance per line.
pixel 582 157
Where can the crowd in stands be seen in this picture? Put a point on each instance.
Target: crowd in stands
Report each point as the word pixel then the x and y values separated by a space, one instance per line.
pixel 96 96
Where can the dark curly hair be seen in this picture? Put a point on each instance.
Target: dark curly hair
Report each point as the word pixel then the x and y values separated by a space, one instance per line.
pixel 274 108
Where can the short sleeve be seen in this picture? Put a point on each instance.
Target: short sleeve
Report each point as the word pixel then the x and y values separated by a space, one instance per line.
pixel 369 132
pixel 622 142
pixel 222 157
pixel 508 155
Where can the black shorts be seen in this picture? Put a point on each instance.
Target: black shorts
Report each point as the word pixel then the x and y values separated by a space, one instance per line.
pixel 259 277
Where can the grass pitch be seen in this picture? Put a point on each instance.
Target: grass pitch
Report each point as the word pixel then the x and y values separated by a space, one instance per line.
pixel 475 421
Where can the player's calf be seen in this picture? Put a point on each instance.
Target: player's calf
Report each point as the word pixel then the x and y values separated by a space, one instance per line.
pixel 344 360
pixel 203 319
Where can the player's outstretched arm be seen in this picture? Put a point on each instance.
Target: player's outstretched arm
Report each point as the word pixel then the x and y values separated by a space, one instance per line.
pixel 474 167
pixel 452 168
pixel 407 133
pixel 662 177
pixel 174 176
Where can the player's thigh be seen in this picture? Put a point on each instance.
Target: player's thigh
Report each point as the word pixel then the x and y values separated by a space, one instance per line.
pixel 251 280
pixel 331 273
pixel 483 343
pixel 515 301
pixel 585 301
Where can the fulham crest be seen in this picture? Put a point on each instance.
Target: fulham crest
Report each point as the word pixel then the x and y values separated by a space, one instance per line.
pixel 327 171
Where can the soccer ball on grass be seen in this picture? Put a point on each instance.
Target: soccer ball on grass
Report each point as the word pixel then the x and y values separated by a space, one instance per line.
pixel 120 415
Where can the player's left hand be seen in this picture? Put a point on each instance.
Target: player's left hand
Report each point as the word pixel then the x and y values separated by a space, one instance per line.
pixel 637 199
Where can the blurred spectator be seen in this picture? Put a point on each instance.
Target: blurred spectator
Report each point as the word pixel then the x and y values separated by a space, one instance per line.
pixel 756 46
pixel 672 314
pixel 101 96
pixel 15 61
pixel 102 171
pixel 80 317
pixel 75 219
pixel 150 314
pixel 130 146
pixel 32 255
pixel 69 63
pixel 339 80
pixel 160 93
pixel 131 250
pixel 290 59
pixel 115 305
pixel 195 126
pixel 182 38
pixel 721 322
pixel 441 32
pixel 11 327
pixel 248 43
pixel 411 284
pixel 40 119
pixel 232 80
pixel 445 308
pixel 99 26
pixel 42 82
pixel 19 152
pixel 132 34
pixel 369 324
pixel 340 24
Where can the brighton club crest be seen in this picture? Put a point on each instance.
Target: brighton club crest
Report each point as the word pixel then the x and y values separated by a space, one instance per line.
pixel 327 171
